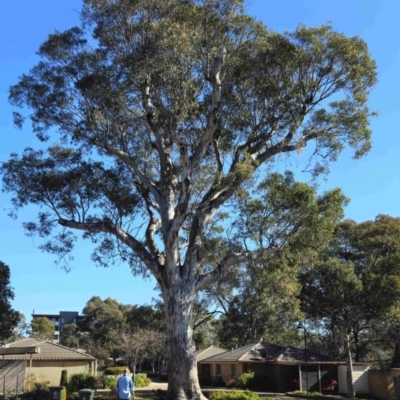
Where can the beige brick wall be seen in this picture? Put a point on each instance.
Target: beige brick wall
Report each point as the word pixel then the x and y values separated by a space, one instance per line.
pixel 51 370
pixel 381 383
pixel 226 370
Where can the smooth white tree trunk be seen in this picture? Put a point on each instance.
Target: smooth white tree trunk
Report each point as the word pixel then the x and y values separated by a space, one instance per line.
pixel 183 380
pixel 349 362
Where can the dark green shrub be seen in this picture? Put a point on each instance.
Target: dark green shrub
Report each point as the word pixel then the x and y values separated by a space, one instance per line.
pixel 109 381
pixel 244 380
pixel 235 395
pixel 81 381
pixel 64 382
pixel 64 378
pixel 114 371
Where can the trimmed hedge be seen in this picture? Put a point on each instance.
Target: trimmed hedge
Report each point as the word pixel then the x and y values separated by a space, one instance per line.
pixel 81 381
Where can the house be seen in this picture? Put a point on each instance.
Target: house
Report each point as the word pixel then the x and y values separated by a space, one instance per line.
pixel 204 370
pixel 281 368
pixel 18 362
pixel 60 319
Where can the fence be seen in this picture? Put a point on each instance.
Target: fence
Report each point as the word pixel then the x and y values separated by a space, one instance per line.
pixel 12 377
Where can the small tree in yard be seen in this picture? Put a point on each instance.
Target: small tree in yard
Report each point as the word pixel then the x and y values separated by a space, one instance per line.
pixel 168 112
pixel 134 346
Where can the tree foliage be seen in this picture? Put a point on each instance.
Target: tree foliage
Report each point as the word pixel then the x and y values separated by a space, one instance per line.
pixel 42 328
pixel 290 218
pixel 69 336
pixel 355 282
pixel 167 113
pixel 9 317
pixel 102 320
pixel 145 317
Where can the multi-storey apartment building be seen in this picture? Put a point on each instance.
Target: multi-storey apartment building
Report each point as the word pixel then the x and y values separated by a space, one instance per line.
pixel 59 320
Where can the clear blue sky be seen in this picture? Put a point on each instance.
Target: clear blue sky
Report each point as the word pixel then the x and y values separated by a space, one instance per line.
pixel 372 184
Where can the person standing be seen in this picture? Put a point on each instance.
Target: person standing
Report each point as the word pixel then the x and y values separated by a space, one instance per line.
pixel 125 387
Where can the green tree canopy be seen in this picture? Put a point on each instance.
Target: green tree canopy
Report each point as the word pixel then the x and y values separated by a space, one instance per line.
pixel 356 280
pixel 101 317
pixel 165 111
pixel 145 317
pixel 42 328
pixel 9 317
pixel 290 217
pixel 69 336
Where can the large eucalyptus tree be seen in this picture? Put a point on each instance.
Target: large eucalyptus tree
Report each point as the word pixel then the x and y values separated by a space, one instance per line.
pixel 164 112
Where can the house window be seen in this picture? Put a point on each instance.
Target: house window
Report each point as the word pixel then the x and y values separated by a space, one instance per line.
pixel 218 369
pixel 233 370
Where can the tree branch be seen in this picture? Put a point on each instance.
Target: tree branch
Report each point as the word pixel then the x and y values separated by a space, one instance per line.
pixel 153 224
pixel 133 167
pixel 215 110
pixel 106 226
pixel 227 262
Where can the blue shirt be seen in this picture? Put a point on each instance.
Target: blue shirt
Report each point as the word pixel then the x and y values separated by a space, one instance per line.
pixel 125 387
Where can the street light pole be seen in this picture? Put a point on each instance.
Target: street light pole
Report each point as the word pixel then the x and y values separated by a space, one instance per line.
pixel 301 326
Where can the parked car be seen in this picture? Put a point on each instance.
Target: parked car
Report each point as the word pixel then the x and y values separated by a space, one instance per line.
pixel 294 383
pixel 329 384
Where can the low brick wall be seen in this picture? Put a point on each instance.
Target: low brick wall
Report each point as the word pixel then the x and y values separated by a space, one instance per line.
pixel 381 383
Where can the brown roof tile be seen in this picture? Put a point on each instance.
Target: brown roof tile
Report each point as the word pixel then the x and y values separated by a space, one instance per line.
pixel 263 351
pixel 48 351
pixel 209 352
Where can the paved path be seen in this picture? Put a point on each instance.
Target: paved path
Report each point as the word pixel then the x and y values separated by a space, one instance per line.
pixel 148 390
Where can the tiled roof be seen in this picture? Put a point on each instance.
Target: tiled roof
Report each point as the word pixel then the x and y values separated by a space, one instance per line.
pixel 231 355
pixel 263 351
pixel 209 352
pixel 48 351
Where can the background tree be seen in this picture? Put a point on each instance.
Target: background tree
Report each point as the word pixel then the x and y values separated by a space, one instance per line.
pixel 156 350
pixel 9 317
pixel 101 316
pixel 21 330
pixel 290 217
pixel 355 283
pixel 166 111
pixel 145 317
pixel 69 336
pixel 42 328
pixel 134 346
